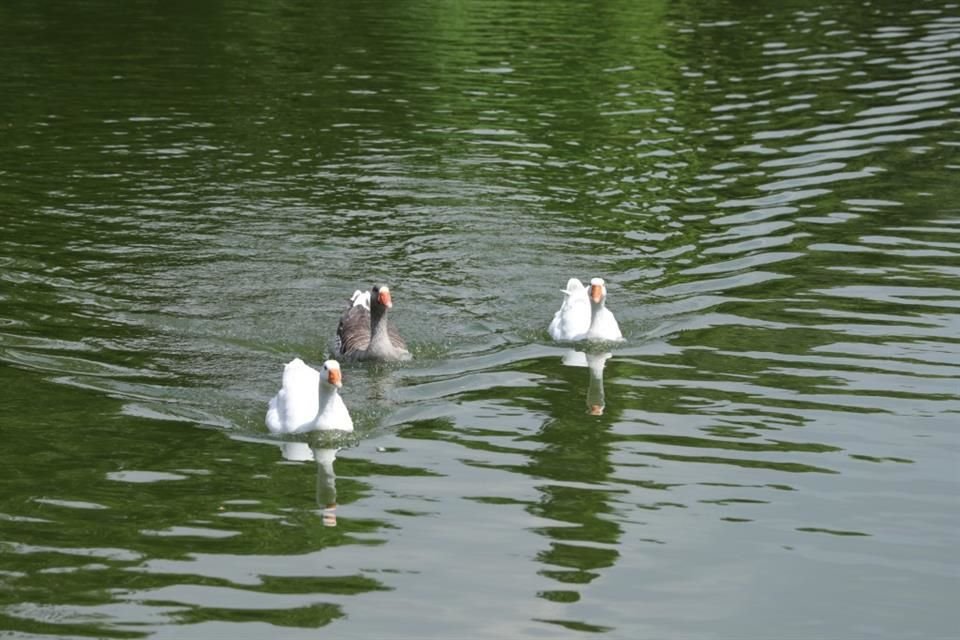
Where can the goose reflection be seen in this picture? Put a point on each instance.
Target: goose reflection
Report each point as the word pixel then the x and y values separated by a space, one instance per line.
pixel 326 478
pixel 596 363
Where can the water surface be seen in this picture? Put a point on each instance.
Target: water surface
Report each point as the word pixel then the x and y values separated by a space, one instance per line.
pixel 190 193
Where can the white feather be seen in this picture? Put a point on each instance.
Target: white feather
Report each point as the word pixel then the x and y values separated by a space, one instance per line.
pixel 604 326
pixel 307 401
pixel 579 318
pixel 361 299
pixel 572 321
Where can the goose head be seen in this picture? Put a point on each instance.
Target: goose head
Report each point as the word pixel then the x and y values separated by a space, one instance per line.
pixel 380 299
pixel 330 374
pixel 598 291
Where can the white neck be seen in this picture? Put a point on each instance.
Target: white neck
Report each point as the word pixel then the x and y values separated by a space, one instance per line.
pixel 333 413
pixel 596 309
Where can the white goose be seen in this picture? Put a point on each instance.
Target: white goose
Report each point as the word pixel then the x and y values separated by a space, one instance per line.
pixel 572 321
pixel 364 332
pixel 309 400
pixel 584 315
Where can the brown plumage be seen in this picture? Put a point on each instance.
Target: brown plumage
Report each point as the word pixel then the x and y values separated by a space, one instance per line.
pixel 364 332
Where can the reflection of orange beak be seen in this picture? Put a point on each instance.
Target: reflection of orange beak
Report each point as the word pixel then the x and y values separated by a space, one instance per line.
pixel 596 410
pixel 329 516
pixel 334 378
pixel 385 299
pixel 596 292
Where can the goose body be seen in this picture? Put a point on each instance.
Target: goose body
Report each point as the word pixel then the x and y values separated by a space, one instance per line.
pixel 364 332
pixel 584 314
pixel 308 400
pixel 572 321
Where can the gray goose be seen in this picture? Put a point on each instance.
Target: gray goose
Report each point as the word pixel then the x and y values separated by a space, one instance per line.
pixel 364 332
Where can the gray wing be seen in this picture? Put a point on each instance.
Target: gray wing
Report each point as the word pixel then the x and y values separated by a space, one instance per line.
pixel 353 332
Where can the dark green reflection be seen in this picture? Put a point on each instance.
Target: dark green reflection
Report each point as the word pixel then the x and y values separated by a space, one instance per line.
pixel 85 515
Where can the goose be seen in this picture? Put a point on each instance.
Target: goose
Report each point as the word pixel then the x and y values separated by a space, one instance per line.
pixel 584 314
pixel 603 326
pixel 572 321
pixel 364 332
pixel 308 400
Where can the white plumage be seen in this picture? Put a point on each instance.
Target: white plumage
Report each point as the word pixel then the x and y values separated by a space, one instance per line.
pixel 308 400
pixel 361 298
pixel 572 321
pixel 583 315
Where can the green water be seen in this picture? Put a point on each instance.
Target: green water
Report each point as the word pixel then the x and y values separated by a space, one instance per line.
pixel 189 193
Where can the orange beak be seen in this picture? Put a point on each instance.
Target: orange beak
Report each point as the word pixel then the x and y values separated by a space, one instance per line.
pixel 385 299
pixel 596 292
pixel 334 378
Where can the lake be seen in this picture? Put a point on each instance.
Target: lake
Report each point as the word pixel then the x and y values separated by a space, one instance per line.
pixel 190 192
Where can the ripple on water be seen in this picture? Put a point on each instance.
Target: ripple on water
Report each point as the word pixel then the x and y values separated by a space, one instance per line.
pixel 769 194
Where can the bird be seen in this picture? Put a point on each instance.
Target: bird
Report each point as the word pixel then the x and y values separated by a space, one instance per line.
pixel 603 326
pixel 309 400
pixel 583 315
pixel 364 333
pixel 572 321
